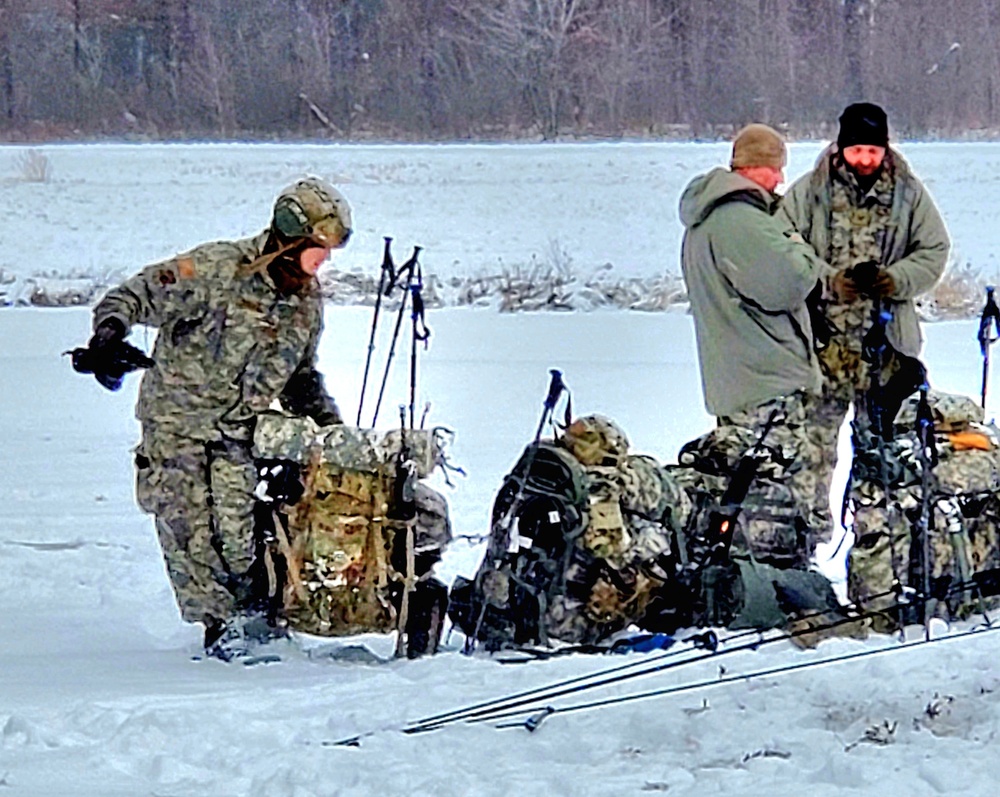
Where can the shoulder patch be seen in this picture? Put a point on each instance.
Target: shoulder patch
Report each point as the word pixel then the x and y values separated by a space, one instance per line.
pixel 185 268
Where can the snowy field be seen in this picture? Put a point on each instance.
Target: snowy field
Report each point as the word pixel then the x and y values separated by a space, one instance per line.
pixel 475 209
pixel 99 694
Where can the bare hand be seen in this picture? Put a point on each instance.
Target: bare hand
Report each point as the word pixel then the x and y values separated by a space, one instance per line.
pixel 884 284
pixel 844 287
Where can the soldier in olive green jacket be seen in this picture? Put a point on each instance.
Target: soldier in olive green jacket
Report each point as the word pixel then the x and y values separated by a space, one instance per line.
pixel 239 323
pixel 862 209
pixel 748 276
pixel 884 244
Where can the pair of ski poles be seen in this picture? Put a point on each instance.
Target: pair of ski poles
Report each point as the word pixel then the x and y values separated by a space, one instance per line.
pixel 702 647
pixel 409 277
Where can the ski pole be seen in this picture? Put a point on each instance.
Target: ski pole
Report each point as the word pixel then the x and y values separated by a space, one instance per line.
pixel 989 320
pixel 928 459
pixel 541 712
pixel 387 268
pixel 418 333
pixel 406 268
pixel 509 708
pixel 985 583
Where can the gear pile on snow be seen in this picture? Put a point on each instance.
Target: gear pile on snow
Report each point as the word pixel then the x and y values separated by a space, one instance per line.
pixel 588 540
pixel 354 533
pixel 580 541
pixel 957 501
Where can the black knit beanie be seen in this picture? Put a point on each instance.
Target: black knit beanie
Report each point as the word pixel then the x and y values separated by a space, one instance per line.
pixel 863 123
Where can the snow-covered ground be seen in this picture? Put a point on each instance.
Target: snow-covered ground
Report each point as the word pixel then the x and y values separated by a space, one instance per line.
pixel 99 695
pixel 474 208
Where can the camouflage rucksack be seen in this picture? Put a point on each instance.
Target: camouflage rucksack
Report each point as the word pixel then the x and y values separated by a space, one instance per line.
pixel 961 510
pixel 344 549
pixel 580 542
pixel 766 579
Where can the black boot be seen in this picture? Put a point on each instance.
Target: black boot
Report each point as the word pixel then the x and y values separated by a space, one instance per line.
pixel 427 610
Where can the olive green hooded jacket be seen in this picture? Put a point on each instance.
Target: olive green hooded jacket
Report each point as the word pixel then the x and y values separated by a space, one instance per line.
pixel 914 248
pixel 747 281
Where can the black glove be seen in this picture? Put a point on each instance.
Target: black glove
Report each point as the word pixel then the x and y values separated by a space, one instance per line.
pixel 279 481
pixel 305 394
pixel 865 275
pixel 107 356
pixel 822 329
pixel 109 332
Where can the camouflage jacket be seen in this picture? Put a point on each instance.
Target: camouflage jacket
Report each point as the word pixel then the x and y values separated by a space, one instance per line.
pixel 747 280
pixel 229 343
pixel 914 245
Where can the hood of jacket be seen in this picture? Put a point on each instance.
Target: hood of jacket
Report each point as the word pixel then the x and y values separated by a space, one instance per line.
pixel 717 187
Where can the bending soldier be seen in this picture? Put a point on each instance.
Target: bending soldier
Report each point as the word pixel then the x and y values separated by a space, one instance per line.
pixel 239 323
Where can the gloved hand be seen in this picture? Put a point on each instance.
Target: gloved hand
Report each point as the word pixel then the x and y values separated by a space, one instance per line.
pixel 871 279
pixel 305 394
pixel 821 328
pixel 328 416
pixel 107 356
pixel 844 287
pixel 109 332
pixel 884 285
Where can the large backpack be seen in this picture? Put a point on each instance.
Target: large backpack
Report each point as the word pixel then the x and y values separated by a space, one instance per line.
pixel 538 513
pixel 762 584
pixel 961 511
pixel 580 543
pixel 357 541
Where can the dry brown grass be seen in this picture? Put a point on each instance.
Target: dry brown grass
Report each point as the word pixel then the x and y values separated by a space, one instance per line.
pixel 960 294
pixel 34 167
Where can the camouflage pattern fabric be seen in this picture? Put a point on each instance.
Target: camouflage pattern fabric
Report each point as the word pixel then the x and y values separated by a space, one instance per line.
pixel 913 243
pixel 856 235
pixel 203 522
pixel 595 440
pixel 785 513
pixel 951 412
pixel 635 511
pixel 284 436
pixel 614 517
pixel 963 509
pixel 229 343
pixel 857 229
pixel 349 554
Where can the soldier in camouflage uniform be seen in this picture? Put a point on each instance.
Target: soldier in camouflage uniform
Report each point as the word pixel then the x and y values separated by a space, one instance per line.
pixel 239 323
pixel 748 276
pixel 862 209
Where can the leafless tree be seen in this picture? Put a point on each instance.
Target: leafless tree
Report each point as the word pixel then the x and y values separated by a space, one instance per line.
pixel 439 68
pixel 532 40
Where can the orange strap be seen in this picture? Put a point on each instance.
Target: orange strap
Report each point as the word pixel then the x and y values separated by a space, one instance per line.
pixel 965 441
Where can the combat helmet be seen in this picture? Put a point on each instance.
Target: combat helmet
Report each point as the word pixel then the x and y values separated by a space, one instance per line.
pixel 596 440
pixel 312 208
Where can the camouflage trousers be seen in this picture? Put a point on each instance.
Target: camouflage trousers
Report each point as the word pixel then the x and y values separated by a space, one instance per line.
pixel 846 379
pixel 786 511
pixel 201 497
pixel 886 554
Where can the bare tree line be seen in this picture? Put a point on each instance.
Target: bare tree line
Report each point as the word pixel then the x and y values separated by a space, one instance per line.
pixel 437 69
